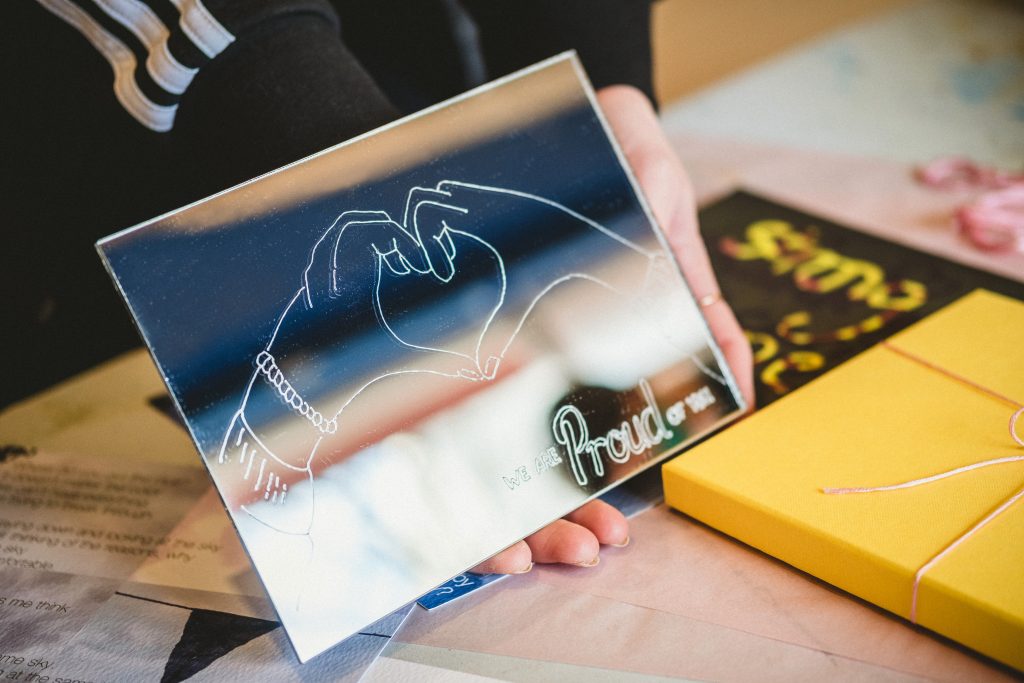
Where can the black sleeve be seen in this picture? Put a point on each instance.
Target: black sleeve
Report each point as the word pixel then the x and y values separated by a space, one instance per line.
pixel 285 88
pixel 612 37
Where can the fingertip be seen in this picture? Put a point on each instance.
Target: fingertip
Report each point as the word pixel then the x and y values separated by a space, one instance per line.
pixel 629 96
pixel 739 355
pixel 565 542
pixel 608 525
pixel 516 559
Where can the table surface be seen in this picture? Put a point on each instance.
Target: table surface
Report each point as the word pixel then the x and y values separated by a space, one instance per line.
pixel 683 601
pixel 934 78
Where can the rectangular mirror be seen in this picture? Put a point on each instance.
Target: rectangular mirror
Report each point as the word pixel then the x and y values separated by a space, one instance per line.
pixel 403 354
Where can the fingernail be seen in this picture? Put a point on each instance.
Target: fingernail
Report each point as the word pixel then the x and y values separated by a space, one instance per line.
pixel 593 563
pixel 525 570
pixel 620 545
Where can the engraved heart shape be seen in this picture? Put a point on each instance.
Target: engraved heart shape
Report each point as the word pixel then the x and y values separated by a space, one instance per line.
pixel 443 297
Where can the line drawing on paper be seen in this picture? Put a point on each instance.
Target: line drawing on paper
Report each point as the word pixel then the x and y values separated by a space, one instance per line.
pixel 424 244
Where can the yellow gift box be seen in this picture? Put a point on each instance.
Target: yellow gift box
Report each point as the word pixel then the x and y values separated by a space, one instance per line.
pixel 922 422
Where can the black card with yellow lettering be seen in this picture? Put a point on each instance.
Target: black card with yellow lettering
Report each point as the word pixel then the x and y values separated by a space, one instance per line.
pixel 811 294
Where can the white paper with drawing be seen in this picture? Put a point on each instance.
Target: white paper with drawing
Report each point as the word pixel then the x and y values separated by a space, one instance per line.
pixel 405 353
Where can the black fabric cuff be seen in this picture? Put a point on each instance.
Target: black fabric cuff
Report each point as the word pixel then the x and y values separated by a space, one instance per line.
pixel 284 89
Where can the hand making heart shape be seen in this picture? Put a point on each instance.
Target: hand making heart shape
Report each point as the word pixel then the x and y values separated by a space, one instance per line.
pixel 380 300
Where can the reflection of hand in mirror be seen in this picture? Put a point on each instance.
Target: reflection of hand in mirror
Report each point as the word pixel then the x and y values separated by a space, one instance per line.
pixel 576 539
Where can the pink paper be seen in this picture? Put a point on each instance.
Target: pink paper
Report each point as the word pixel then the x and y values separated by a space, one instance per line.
pixel 682 567
pixel 683 600
pixel 527 618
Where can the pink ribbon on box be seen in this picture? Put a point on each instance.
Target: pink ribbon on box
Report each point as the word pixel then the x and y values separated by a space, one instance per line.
pixel 993 221
pixel 949 473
